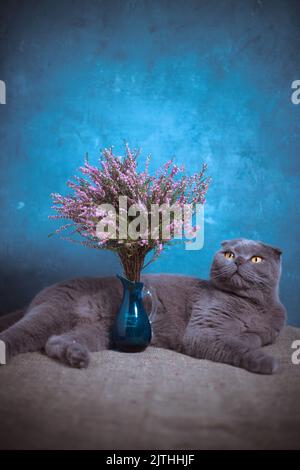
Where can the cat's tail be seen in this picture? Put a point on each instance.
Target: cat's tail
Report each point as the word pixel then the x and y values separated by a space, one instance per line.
pixel 10 319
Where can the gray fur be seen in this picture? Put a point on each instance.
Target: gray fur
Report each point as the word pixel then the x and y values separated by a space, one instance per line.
pixel 225 319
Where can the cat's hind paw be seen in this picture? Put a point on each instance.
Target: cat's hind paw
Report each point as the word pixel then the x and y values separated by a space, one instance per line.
pixel 77 356
pixel 67 351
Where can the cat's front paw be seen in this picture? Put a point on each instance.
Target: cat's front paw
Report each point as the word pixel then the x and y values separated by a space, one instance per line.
pixel 259 362
pixel 77 356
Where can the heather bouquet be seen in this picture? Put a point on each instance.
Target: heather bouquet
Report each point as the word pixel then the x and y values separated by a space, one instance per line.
pixel 116 207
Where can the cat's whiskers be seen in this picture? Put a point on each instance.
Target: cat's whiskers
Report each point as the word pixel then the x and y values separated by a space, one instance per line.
pixel 227 270
pixel 249 276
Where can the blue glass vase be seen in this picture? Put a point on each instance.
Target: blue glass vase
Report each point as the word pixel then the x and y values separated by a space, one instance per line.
pixel 131 330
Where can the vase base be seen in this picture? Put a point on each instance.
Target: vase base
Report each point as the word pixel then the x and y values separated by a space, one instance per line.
pixel 131 348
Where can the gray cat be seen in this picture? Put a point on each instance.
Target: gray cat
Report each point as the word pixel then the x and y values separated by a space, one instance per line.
pixel 225 319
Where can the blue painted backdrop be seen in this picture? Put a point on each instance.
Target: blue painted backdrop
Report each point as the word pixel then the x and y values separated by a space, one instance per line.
pixel 201 80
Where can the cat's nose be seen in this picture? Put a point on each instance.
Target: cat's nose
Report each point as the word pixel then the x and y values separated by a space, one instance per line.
pixel 239 260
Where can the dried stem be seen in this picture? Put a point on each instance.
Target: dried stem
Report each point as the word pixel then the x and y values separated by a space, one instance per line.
pixel 132 265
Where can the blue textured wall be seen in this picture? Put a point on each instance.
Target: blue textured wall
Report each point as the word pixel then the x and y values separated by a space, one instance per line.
pixel 202 80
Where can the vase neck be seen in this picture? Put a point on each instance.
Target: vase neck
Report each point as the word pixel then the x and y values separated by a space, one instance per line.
pixel 132 286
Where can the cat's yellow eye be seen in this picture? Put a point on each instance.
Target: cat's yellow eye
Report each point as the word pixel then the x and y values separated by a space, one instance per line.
pixel 229 255
pixel 256 259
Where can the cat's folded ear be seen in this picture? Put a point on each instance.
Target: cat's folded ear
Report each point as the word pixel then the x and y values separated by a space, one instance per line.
pixel 277 251
pixel 235 240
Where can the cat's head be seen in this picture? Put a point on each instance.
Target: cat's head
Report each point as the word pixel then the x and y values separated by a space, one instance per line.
pixel 242 265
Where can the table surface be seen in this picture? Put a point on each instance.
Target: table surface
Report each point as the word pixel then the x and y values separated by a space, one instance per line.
pixel 157 399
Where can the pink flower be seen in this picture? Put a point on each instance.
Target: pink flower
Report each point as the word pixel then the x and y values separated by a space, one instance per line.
pixel 116 176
